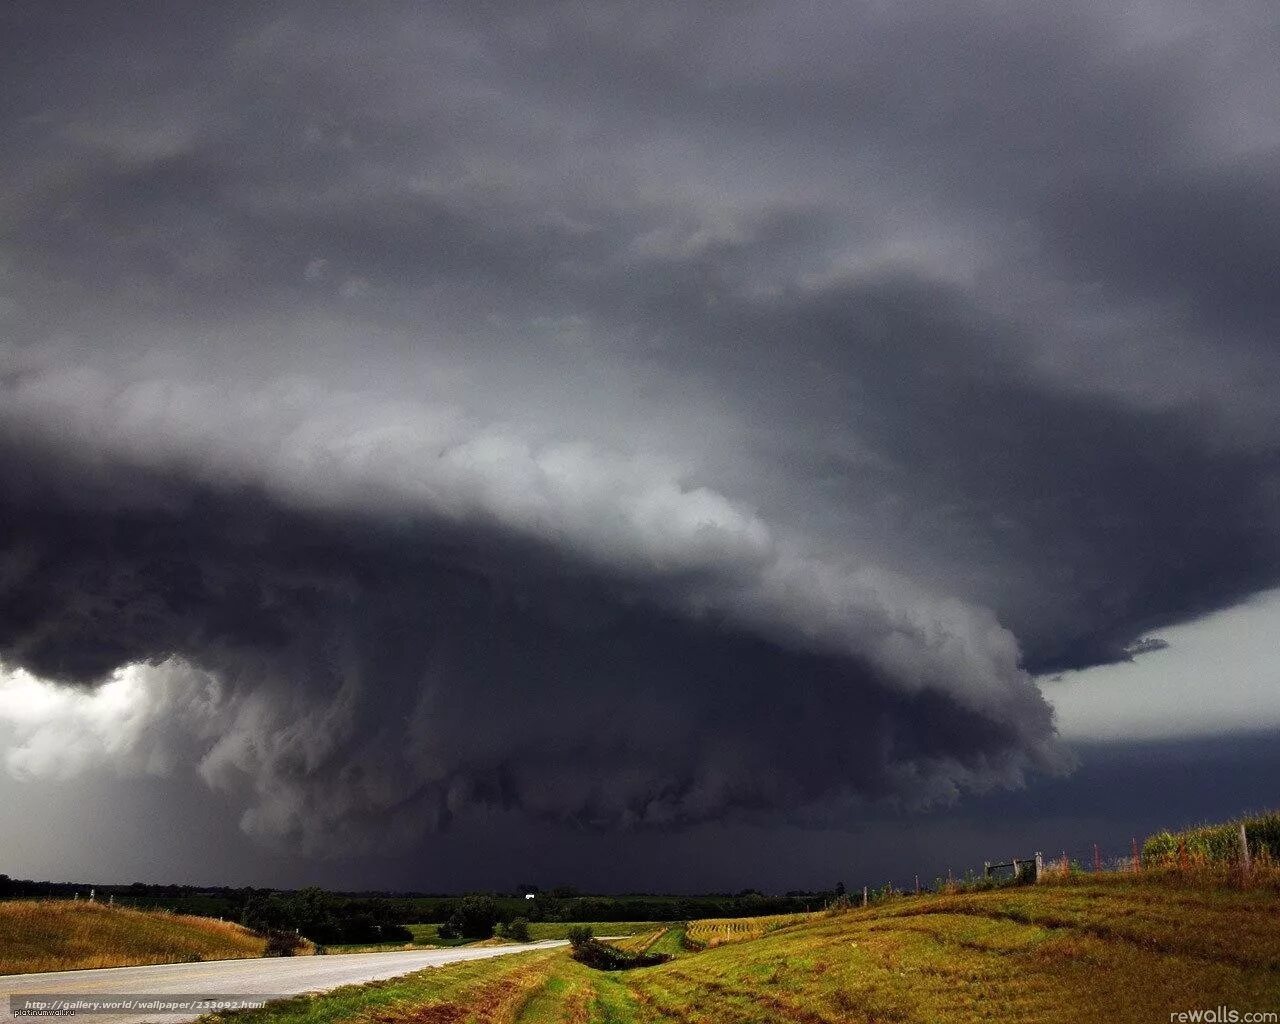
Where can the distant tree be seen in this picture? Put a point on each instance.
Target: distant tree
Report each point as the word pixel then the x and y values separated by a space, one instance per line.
pixel 840 889
pixel 323 917
pixel 518 929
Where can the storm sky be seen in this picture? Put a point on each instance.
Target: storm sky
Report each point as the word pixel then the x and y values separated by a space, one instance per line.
pixel 653 445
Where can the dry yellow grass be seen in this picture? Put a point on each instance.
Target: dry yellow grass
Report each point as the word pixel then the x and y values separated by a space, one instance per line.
pixel 62 935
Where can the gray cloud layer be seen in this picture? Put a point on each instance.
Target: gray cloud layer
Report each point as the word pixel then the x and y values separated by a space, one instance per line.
pixel 629 417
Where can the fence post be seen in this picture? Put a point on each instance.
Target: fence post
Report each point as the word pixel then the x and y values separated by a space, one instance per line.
pixel 1039 866
pixel 1015 869
pixel 864 895
pixel 1097 859
pixel 1244 848
pixel 986 869
pixel 1137 860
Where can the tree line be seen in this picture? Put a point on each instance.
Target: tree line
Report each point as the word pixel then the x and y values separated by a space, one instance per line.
pixel 338 917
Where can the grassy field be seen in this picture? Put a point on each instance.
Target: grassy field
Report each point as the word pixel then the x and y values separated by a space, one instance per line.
pixel 1115 948
pixel 61 935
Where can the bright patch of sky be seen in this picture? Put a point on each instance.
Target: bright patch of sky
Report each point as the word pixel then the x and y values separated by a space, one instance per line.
pixel 1219 674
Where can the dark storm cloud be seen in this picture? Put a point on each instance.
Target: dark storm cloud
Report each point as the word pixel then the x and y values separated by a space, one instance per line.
pixel 372 679
pixel 1206 241
pixel 726 376
pixel 1081 519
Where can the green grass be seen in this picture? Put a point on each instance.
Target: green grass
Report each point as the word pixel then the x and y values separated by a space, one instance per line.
pixel 428 935
pixel 1114 948
pixel 62 935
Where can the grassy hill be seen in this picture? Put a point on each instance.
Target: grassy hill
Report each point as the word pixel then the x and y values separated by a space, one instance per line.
pixel 61 935
pixel 1117 948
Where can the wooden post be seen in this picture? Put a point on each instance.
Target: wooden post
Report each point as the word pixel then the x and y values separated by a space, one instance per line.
pixel 1039 866
pixel 864 895
pixel 917 885
pixel 1097 859
pixel 986 869
pixel 1245 861
pixel 1015 869
pixel 1137 860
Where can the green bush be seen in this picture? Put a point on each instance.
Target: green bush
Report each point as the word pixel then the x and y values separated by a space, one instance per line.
pixel 473 918
pixel 518 929
pixel 580 935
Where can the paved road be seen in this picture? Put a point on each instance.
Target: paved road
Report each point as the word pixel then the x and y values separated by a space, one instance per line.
pixel 275 977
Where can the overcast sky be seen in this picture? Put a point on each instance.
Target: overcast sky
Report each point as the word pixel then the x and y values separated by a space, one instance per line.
pixel 691 444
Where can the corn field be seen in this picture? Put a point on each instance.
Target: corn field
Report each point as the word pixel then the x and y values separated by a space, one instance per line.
pixel 721 931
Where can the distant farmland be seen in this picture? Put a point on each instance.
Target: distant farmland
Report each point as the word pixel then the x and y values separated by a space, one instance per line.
pixel 62 935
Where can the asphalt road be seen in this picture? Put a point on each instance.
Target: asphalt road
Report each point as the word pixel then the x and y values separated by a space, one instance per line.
pixel 273 977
